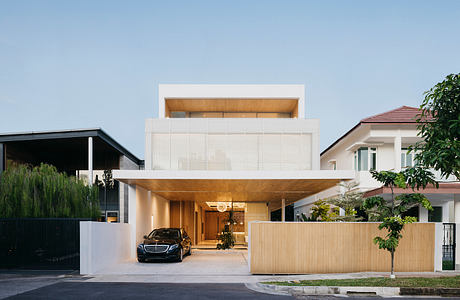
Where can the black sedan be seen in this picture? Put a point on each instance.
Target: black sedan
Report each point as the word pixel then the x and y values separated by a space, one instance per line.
pixel 165 244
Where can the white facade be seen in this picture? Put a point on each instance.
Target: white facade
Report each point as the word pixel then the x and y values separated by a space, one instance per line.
pixel 229 143
pixel 388 144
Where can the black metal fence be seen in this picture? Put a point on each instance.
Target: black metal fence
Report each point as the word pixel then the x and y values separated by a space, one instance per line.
pixel 51 244
pixel 448 246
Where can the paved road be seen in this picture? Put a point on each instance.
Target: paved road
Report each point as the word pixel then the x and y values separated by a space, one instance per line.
pixel 102 290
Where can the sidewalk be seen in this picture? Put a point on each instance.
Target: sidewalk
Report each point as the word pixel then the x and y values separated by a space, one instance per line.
pixel 236 278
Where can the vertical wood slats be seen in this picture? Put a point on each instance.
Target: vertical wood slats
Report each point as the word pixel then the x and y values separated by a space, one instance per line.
pixel 300 248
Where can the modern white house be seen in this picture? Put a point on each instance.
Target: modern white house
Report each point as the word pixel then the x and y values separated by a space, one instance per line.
pixel 213 148
pixel 380 142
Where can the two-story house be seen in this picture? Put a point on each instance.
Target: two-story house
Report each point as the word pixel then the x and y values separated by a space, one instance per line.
pixel 219 148
pixel 380 142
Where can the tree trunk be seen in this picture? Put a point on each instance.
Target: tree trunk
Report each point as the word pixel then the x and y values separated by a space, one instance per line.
pixel 392 275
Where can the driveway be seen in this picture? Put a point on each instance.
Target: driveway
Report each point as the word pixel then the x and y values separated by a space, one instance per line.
pixel 201 262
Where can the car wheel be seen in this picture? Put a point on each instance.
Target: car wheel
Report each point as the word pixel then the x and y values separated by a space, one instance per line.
pixel 189 251
pixel 181 255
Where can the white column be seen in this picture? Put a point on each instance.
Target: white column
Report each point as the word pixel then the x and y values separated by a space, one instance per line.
pixel 457 222
pixel 423 214
pixel 90 160
pixel 457 209
pixel 283 210
pixel 397 150
pixel 132 202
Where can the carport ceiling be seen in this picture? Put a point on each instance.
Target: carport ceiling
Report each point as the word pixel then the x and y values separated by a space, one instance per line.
pixel 238 190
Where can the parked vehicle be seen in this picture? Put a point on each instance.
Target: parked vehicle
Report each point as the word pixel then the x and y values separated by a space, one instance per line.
pixel 165 244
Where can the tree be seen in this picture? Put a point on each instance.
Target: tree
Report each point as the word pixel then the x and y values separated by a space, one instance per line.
pixel 321 211
pixel 43 192
pixel 439 126
pixel 349 201
pixel 389 213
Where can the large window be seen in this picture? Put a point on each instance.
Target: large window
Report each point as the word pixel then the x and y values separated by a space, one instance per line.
pixel 407 159
pixel 365 159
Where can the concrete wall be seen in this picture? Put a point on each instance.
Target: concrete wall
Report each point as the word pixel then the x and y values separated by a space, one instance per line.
pixel 229 91
pixel 147 211
pixel 103 245
pixel 161 209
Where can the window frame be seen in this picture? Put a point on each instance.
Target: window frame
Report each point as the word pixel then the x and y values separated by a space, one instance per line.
pixel 371 164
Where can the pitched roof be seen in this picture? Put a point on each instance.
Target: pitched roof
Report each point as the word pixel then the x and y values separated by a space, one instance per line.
pixel 402 115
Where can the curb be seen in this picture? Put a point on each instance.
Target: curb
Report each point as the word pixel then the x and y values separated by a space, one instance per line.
pixel 331 290
pixel 357 290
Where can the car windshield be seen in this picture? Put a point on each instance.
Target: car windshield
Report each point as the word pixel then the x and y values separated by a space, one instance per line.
pixel 164 234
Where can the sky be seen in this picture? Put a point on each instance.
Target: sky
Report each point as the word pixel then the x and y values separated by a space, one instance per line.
pixel 84 64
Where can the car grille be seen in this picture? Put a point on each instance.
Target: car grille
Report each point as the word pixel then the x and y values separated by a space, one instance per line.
pixel 155 248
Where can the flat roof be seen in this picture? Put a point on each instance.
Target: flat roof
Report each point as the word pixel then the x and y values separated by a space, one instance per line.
pixel 69 134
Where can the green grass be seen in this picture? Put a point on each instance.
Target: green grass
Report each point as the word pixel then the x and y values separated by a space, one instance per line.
pixel 436 282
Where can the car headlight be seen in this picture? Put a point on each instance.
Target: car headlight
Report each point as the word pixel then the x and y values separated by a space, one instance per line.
pixel 173 247
pixel 141 247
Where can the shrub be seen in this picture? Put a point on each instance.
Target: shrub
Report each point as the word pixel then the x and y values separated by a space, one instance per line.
pixel 43 192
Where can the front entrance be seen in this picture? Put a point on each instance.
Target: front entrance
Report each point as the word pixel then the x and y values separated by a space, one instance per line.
pixel 205 221
pixel 216 221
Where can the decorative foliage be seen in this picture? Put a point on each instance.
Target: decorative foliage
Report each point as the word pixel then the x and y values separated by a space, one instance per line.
pixel 439 126
pixel 43 192
pixel 323 212
pixel 389 213
pixel 349 201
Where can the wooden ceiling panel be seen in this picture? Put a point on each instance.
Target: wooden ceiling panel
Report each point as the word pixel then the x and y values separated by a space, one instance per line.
pixel 232 105
pixel 237 190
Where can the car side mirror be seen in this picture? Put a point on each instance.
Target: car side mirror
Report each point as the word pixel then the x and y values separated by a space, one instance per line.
pixel 146 237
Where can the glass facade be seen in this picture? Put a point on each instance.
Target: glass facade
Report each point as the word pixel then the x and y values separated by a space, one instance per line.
pixel 231 151
pixel 221 114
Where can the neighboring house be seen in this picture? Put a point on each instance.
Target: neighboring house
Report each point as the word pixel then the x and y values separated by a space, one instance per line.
pixel 380 143
pixel 214 148
pixel 75 152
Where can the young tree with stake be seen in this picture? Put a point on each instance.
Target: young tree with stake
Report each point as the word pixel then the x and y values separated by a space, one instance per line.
pixel 390 212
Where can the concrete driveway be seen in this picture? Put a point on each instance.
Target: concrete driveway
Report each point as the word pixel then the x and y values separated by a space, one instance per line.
pixel 201 262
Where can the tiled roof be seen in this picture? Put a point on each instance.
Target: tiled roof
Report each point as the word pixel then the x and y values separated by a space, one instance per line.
pixel 403 114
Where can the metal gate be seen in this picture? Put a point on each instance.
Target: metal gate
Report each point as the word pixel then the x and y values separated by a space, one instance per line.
pixel 448 246
pixel 28 243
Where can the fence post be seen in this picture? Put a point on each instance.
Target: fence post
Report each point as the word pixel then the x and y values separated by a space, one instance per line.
pixel 438 237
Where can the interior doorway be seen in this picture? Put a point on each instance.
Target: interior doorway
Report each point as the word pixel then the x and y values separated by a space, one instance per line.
pixel 216 221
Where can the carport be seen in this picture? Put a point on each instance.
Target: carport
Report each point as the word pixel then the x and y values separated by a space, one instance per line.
pixel 159 199
pixel 177 198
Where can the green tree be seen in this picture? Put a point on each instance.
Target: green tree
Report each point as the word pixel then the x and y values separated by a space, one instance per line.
pixel 43 192
pixel 389 213
pixel 439 126
pixel 322 211
pixel 350 200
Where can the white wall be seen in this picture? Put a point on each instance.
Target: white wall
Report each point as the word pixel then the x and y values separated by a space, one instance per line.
pixel 228 91
pixel 144 212
pixel 102 245
pixel 161 211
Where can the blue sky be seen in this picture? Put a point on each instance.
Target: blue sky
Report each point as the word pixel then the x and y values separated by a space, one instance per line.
pixel 80 64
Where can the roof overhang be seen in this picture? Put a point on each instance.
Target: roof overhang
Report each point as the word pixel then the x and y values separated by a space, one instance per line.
pixel 237 186
pixel 444 188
